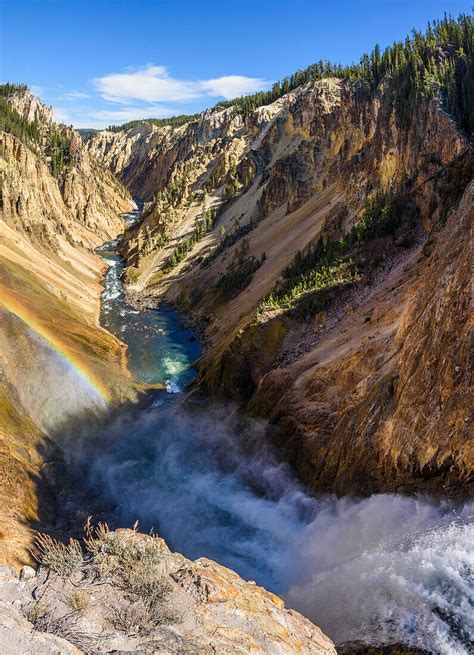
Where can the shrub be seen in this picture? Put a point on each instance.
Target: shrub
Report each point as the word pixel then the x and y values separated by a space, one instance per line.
pixel 135 569
pixel 63 626
pixel 202 226
pixel 79 601
pixel 140 616
pixel 240 272
pixel 63 559
pixel 326 266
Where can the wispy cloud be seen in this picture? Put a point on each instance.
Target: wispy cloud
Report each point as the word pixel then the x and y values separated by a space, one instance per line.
pixel 103 118
pixel 146 92
pixel 60 116
pixel 76 95
pixel 231 86
pixel 154 84
pixel 36 90
pixel 132 113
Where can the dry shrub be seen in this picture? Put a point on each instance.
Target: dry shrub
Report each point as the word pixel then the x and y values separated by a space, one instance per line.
pixel 63 559
pixel 129 565
pixel 140 616
pixel 63 626
pixel 37 613
pixel 95 536
pixel 79 601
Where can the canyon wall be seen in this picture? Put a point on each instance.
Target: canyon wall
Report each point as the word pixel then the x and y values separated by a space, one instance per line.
pixel 51 342
pixel 363 380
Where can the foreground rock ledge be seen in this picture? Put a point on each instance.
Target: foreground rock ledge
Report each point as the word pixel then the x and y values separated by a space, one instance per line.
pixel 216 611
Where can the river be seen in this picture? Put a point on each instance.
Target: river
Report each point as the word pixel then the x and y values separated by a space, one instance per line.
pixel 382 569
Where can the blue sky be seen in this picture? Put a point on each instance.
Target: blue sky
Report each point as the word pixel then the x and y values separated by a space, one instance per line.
pixel 99 62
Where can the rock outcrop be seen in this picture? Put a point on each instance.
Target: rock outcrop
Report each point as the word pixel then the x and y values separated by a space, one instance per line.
pixel 202 607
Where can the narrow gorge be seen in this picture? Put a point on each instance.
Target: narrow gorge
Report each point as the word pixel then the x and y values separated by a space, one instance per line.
pixel 249 331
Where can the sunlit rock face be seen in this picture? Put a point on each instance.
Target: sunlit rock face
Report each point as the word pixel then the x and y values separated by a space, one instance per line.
pixel 368 394
pixel 54 357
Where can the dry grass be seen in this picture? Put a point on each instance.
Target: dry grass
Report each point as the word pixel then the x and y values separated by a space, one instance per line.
pixel 133 566
pixel 64 626
pixel 79 601
pixel 140 616
pixel 63 559
pixel 129 565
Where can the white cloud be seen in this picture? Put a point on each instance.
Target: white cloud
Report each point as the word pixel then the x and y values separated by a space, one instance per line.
pixel 103 118
pixel 231 86
pixel 149 84
pixel 60 116
pixel 132 113
pixel 76 95
pixel 153 84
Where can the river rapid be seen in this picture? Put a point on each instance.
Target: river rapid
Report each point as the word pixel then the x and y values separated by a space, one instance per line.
pixel 379 570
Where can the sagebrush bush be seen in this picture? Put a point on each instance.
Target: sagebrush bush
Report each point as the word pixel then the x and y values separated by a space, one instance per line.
pixel 130 565
pixel 63 559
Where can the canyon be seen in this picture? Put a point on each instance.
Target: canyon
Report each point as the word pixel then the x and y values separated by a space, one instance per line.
pixel 58 366
pixel 365 364
pixel 251 332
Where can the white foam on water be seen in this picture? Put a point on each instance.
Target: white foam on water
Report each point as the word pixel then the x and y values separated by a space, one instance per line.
pixel 172 385
pixel 383 569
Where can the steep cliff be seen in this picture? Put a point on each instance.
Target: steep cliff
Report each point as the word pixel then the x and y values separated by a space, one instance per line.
pixel 50 340
pixel 304 234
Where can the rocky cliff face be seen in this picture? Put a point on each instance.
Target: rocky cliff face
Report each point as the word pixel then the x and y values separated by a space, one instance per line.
pixel 49 304
pixel 349 392
pixel 133 595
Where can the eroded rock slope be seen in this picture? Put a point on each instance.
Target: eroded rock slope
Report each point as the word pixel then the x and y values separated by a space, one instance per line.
pixel 51 221
pixel 311 242
pixel 132 594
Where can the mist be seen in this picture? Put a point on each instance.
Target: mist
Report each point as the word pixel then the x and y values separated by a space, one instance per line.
pixel 381 569
pixel 48 387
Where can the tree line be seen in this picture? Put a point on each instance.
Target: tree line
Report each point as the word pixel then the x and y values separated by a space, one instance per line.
pixel 437 63
pixel 49 143
pixel 173 121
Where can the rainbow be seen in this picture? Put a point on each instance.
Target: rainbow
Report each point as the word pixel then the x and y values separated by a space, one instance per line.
pixel 12 305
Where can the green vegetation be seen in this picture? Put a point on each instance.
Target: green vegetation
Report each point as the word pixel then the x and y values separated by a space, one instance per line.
pixel 438 63
pixel 230 189
pixel 9 89
pixel 50 143
pixel 87 133
pixel 228 239
pixel 201 227
pixel 309 280
pixel 323 279
pixel 11 121
pixel 173 121
pixel 58 149
pixel 240 272
pixel 153 242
